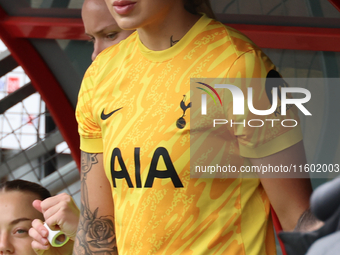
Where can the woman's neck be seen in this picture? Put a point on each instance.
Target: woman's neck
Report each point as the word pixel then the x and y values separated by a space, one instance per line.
pixel 167 31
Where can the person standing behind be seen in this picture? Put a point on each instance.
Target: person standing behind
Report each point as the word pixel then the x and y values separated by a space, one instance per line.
pixel 100 26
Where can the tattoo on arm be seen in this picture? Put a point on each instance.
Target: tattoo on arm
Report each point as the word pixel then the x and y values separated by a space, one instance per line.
pixel 172 42
pixel 308 222
pixel 95 235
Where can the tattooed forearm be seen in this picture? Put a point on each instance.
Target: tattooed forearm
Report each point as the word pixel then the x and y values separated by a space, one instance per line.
pixel 308 222
pixel 87 161
pixel 95 235
pixel 172 42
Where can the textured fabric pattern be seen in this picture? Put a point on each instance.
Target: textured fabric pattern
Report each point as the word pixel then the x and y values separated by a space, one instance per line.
pixel 158 208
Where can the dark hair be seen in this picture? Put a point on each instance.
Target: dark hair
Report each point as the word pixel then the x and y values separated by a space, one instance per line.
pixel 197 6
pixel 25 186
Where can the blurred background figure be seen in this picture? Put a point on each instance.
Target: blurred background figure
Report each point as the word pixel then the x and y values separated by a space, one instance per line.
pixel 100 26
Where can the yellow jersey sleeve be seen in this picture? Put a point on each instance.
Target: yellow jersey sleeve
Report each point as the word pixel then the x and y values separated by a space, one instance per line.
pixel 260 135
pixel 89 130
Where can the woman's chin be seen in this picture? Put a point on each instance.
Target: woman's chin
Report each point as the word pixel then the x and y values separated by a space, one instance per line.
pixel 127 24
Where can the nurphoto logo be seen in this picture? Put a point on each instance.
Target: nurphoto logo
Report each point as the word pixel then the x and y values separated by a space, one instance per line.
pixel 233 120
pixel 238 103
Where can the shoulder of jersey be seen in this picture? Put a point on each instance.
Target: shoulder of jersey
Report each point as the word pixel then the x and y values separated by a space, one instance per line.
pixel 239 41
pixel 110 58
pixel 119 48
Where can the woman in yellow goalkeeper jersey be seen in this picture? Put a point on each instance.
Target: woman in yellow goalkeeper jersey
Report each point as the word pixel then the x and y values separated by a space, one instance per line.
pixel 133 113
